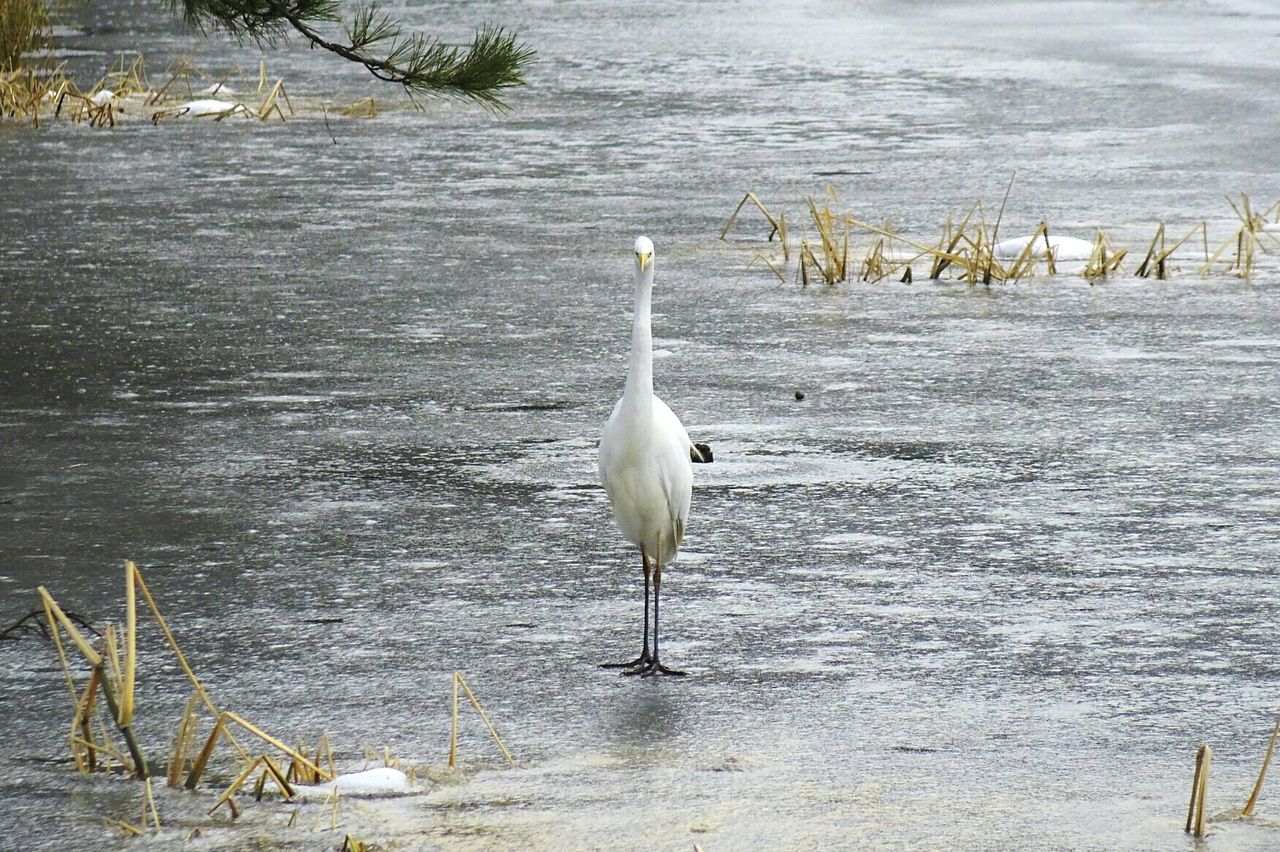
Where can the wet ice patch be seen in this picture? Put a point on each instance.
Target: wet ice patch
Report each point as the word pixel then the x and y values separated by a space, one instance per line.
pixel 858 540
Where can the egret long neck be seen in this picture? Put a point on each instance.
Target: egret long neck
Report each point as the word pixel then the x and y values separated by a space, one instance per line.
pixel 639 389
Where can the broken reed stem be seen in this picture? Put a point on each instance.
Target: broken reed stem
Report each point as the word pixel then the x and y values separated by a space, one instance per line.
pixel 265 737
pixel 779 226
pixel 995 232
pixel 135 577
pixel 281 782
pixel 492 731
pixel 84 713
pixel 1199 789
pixel 130 644
pixel 55 611
pixel 453 731
pixel 126 731
pixel 149 805
pixel 236 784
pixel 197 768
pixel 1262 773
pixel 1145 268
pixel 186 732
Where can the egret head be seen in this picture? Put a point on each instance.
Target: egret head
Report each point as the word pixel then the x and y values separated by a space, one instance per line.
pixel 644 254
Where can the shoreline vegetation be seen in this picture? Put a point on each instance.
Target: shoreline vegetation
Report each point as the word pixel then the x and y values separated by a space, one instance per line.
pixel 842 248
pixel 34 85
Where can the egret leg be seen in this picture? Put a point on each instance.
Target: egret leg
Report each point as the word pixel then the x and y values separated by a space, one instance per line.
pixel 644 658
pixel 654 666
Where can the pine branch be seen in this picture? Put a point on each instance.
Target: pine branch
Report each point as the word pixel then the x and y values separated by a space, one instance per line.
pixel 423 65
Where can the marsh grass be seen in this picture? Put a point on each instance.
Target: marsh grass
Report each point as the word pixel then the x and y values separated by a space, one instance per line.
pixel 966 248
pixel 203 732
pixel 31 94
pixel 113 674
pixel 24 29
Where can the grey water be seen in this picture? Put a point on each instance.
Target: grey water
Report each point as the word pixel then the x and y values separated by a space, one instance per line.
pixel 335 385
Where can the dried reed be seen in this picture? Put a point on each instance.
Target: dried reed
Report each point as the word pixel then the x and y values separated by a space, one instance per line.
pixel 966 250
pixel 460 682
pixel 1262 773
pixel 1199 790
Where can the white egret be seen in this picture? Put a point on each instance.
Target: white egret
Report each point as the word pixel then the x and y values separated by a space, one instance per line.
pixel 645 465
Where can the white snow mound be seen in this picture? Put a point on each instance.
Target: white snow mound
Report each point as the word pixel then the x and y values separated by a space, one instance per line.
pixel 371 782
pixel 1063 248
pixel 209 106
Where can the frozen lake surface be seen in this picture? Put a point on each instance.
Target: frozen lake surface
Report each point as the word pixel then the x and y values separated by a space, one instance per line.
pixel 988 586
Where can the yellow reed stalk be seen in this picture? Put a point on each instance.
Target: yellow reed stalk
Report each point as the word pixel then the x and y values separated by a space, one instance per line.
pixel 327 748
pixel 833 263
pixel 1199 790
pixel 265 737
pixel 873 263
pixel 1026 259
pixel 809 259
pixel 130 645
pixel 83 715
pixel 197 768
pixel 177 652
pixel 276 775
pixel 949 256
pixel 767 262
pixel 942 258
pixel 111 651
pixel 1146 267
pixel 236 784
pixel 453 729
pixel 995 232
pixel 1246 243
pixel 105 747
pixel 269 102
pixel 1049 261
pixel 1262 773
pixel 126 731
pixel 149 806
pixel 186 733
pixel 492 731
pixel 1212 259
pixel 1096 266
pixel 1161 257
pixel 1245 216
pixel 51 607
pixel 131 830
pixel 779 228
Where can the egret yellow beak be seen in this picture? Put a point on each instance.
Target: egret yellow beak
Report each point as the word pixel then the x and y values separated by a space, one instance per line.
pixel 645 260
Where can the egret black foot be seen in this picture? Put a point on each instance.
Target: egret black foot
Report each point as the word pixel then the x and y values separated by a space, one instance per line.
pixel 638 663
pixel 653 667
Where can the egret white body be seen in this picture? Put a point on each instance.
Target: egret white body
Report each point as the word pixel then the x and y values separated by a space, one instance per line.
pixel 645 463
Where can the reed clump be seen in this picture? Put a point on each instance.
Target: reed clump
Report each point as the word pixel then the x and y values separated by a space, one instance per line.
pixel 24 29
pixel 104 704
pixel 31 94
pixel 968 248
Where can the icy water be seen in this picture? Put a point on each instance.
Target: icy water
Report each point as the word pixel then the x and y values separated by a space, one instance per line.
pixel 988 586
